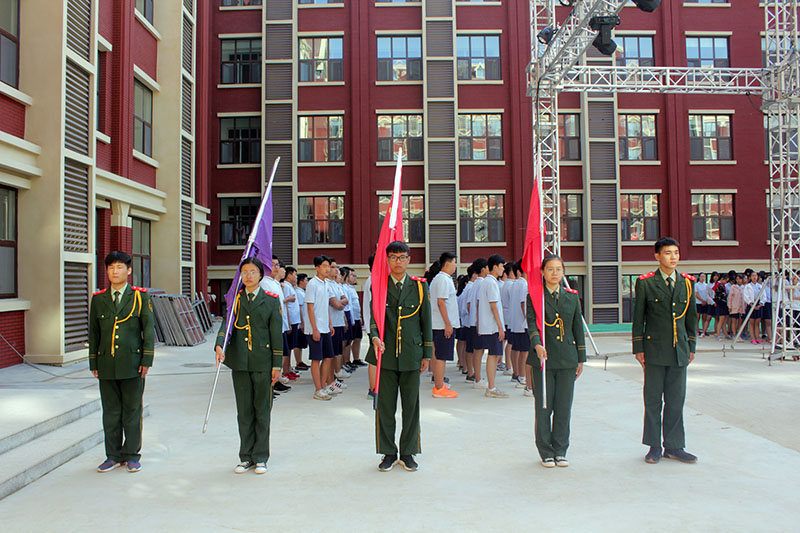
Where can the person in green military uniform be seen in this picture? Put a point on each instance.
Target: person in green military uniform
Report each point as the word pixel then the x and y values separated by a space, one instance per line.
pixel 121 337
pixel 664 339
pixel 407 350
pixel 564 351
pixel 254 354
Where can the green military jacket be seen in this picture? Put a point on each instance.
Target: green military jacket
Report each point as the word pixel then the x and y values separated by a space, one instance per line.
pixel 664 324
pixel 413 306
pixel 256 342
pixel 120 341
pixel 564 336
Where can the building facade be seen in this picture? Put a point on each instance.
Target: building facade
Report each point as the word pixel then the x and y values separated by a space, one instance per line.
pixel 97 150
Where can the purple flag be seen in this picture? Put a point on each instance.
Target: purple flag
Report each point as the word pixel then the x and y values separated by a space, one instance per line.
pixel 259 245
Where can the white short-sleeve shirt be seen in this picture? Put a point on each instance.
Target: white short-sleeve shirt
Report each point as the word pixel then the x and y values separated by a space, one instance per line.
pixel 316 294
pixel 443 287
pixel 517 321
pixel 292 307
pixel 355 305
pixel 472 313
pixel 489 292
pixel 337 315
pixel 367 307
pixel 505 297
pixel 273 286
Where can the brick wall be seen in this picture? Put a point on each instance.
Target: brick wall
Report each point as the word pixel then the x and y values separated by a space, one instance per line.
pixel 12 327
pixel 12 116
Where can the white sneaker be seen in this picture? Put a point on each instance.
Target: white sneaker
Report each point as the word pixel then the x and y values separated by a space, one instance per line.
pixel 521 383
pixel 482 384
pixel 508 372
pixel 243 467
pixel 322 395
pixel 494 393
pixel 331 390
pixel 342 374
pixel 284 380
pixel 528 392
pixel 341 385
pixel 261 468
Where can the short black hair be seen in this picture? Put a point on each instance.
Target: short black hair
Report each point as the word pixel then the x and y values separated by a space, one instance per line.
pixel 331 260
pixel 470 271
pixel 446 257
pixel 397 247
pixel 665 241
pixel 118 257
pixel 479 264
pixel 318 260
pixel 508 268
pixel 370 260
pixel 494 260
pixel 517 267
pixel 275 257
pixel 290 269
pixel 253 261
pixel 345 271
pixel 301 277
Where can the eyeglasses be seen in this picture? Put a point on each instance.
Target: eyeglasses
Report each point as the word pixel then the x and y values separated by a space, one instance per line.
pixel 397 258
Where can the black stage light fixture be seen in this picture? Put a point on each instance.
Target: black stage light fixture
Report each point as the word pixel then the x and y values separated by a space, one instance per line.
pixel 647 5
pixel 546 35
pixel 603 25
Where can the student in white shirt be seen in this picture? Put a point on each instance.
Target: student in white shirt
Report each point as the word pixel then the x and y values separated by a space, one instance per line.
pixel 463 313
pixel 700 301
pixel 317 322
pixel 272 284
pixel 505 291
pixel 302 343
pixel 490 323
pixel 481 267
pixel 337 302
pixel 445 320
pixel 366 313
pixel 357 326
pixel 518 325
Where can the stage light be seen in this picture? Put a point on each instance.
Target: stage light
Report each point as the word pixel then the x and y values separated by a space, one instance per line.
pixel 546 35
pixel 603 26
pixel 647 5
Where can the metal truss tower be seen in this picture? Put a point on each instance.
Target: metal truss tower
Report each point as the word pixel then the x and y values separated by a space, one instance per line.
pixel 554 68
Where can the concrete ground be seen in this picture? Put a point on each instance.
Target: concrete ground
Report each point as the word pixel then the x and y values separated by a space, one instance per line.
pixel 479 470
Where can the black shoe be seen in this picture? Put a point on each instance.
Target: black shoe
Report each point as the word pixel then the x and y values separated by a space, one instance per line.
pixel 359 362
pixel 464 372
pixel 280 387
pixel 350 367
pixel 679 454
pixel 409 463
pixel 471 378
pixel 653 456
pixel 301 366
pixel 387 463
pixel 275 395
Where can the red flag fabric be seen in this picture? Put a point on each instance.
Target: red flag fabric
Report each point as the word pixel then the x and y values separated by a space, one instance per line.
pixel 534 253
pixel 391 230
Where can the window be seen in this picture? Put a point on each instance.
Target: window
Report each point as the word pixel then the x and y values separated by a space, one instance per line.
pixel 241 2
pixel 571 217
pixel 239 140
pixel 481 217
pixel 637 138
pixel 321 219
pixel 145 9
pixel 707 52
pixel 321 138
pixel 9 42
pixel 321 59
pixel 8 242
pixel 399 58
pixel 236 219
pixel 569 137
pixel 712 217
pixel 628 296
pixel 787 139
pixel 140 252
pixel 241 61
pixel 400 131
pixel 413 215
pixel 639 214
pixel 478 57
pixel 480 137
pixel 710 137
pixel 637 51
pixel 142 118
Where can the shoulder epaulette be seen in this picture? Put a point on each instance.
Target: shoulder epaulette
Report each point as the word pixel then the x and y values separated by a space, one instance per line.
pixel 99 292
pixel 268 293
pixel 241 291
pixel 573 291
pixel 140 289
pixel 648 275
pixel 418 279
pixel 688 276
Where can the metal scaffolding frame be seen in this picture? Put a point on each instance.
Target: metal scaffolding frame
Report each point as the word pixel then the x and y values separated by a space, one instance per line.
pixel 554 68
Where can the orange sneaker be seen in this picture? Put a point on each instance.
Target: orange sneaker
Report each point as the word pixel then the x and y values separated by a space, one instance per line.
pixel 444 392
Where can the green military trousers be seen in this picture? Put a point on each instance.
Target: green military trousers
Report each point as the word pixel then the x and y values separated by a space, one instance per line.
pixel 669 383
pixel 122 415
pixel 253 391
pixel 407 383
pixel 552 424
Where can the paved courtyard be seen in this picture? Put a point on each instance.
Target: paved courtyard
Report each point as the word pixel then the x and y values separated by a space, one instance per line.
pixel 478 472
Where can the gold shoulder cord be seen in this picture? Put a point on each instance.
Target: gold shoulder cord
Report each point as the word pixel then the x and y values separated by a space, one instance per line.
pixel 137 298
pixel 399 318
pixel 247 327
pixel 676 318
pixel 559 323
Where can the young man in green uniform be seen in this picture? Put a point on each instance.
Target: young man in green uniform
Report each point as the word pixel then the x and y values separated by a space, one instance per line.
pixel 664 339
pixel 254 354
pixel 121 337
pixel 407 350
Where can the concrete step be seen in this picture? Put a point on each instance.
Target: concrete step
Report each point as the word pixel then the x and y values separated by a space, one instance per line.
pixel 28 462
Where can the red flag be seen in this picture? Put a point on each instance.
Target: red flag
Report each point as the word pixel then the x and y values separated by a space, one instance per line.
pixel 534 252
pixel 391 230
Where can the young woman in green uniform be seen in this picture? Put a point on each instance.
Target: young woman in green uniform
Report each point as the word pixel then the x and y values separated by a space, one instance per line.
pixel 564 350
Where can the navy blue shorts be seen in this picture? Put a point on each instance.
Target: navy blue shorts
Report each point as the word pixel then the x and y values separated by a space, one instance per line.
pixel 473 339
pixel 348 332
pixel 701 309
pixel 443 348
pixel 357 332
pixel 302 342
pixel 492 343
pixel 294 336
pixel 756 314
pixel 766 311
pixel 459 334
pixel 286 348
pixel 321 349
pixel 722 309
pixel 338 339
pixel 520 342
